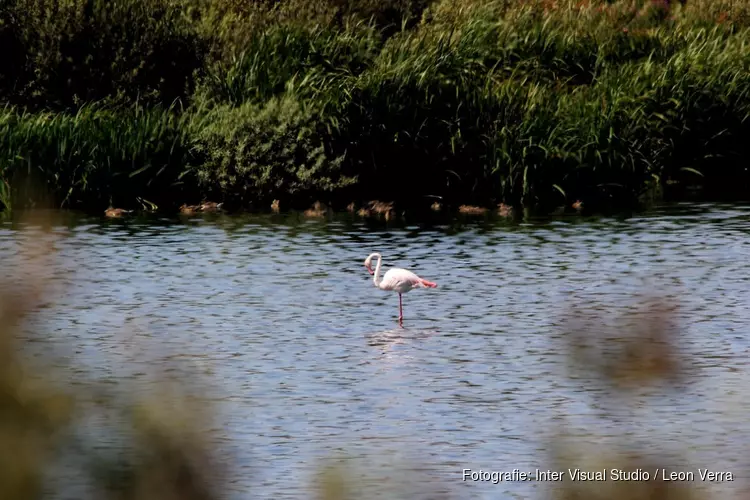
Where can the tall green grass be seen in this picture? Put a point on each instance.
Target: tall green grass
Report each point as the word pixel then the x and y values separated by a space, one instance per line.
pixel 479 101
pixel 98 155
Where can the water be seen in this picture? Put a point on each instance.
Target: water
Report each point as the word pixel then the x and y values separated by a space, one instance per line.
pixel 307 362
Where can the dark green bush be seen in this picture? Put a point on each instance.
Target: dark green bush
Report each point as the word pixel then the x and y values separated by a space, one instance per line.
pixel 477 101
pixel 77 51
pixel 256 153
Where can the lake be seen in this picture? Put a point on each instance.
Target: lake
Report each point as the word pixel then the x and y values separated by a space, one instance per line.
pixel 278 318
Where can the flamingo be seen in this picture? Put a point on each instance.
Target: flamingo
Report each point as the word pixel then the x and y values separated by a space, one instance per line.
pixel 396 280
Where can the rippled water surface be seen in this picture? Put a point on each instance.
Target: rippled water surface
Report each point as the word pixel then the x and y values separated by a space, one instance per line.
pixel 307 362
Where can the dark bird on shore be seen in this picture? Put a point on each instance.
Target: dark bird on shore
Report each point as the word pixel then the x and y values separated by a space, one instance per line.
pixel 504 210
pixel 116 212
pixel 189 209
pixel 471 210
pixel 376 207
pixel 317 210
pixel 210 206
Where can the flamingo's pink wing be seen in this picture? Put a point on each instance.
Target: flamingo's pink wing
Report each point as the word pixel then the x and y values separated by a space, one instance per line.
pixel 402 279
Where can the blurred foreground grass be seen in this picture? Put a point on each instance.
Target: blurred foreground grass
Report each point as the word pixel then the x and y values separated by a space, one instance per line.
pixel 167 455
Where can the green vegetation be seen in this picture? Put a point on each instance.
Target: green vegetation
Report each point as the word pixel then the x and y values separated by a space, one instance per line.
pixel 537 103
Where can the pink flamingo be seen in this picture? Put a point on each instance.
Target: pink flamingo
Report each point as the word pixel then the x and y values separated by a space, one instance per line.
pixel 397 280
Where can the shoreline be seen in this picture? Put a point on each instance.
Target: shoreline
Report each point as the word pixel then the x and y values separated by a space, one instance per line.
pixel 397 215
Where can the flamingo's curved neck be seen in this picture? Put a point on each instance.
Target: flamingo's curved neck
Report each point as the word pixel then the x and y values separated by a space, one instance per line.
pixel 376 276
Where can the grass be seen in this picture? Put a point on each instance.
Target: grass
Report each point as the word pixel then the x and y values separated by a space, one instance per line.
pixel 533 103
pixel 97 155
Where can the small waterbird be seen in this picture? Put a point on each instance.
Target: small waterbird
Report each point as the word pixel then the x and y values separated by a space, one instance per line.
pixel 504 210
pixel 376 207
pixel 471 210
pixel 189 209
pixel 318 210
pixel 210 206
pixel 396 280
pixel 116 212
pixel 206 206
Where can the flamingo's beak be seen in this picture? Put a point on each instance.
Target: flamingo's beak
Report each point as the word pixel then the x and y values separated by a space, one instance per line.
pixel 369 269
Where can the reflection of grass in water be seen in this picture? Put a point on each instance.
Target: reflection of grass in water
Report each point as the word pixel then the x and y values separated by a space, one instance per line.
pixel 33 411
pixel 637 353
pixel 165 456
pixel 169 460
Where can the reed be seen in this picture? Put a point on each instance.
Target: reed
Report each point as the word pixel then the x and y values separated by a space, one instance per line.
pixel 97 155
pixel 535 102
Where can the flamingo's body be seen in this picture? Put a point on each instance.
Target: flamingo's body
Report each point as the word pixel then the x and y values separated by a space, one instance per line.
pixel 396 280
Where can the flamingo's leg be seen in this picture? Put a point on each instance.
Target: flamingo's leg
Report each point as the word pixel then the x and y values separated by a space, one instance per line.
pixel 400 311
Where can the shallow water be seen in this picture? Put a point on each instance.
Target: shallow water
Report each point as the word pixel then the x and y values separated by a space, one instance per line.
pixel 306 360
